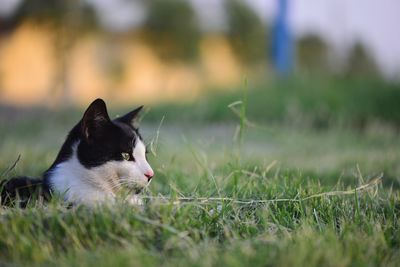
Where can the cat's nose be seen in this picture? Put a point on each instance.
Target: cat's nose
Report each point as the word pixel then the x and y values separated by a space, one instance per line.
pixel 149 175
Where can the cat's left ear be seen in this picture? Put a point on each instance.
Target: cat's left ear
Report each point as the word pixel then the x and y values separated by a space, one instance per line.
pixel 131 118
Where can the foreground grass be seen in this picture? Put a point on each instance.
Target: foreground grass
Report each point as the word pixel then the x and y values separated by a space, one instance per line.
pixel 356 230
pixel 360 229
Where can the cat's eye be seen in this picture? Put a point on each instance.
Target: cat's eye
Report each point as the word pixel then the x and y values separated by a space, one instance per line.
pixel 125 156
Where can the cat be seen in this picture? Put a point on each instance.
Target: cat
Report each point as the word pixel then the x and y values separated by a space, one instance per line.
pixel 99 158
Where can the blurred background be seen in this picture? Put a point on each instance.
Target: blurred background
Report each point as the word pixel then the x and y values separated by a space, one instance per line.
pixel 61 52
pixel 319 79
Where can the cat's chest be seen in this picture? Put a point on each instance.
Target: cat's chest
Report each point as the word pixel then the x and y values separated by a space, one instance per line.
pixel 76 183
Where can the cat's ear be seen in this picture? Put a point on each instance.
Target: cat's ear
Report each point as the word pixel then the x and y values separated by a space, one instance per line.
pixel 131 118
pixel 94 119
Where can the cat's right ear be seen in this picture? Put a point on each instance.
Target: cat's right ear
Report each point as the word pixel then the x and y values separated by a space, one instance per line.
pixel 95 117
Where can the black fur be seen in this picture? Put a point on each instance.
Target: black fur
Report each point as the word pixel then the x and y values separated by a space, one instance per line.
pixel 100 140
pixel 21 189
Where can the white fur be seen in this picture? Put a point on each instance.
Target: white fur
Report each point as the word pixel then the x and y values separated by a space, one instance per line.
pixel 77 184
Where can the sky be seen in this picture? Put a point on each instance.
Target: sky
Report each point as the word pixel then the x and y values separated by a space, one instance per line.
pixel 340 22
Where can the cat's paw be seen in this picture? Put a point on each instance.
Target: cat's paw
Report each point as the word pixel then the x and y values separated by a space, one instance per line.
pixel 135 200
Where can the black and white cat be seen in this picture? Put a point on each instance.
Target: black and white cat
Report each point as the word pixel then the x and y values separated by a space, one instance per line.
pixel 99 158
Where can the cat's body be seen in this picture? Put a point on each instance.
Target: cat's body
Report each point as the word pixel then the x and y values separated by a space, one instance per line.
pixel 99 158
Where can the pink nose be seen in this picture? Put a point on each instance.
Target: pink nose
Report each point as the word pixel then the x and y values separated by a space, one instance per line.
pixel 149 175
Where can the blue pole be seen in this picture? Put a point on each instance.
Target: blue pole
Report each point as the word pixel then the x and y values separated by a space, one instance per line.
pixel 282 42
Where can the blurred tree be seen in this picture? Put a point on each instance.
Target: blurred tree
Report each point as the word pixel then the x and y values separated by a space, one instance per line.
pixel 171 29
pixel 360 62
pixel 54 13
pixel 67 19
pixel 49 12
pixel 312 54
pixel 247 33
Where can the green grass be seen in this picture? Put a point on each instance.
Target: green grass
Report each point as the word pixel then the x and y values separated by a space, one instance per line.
pixel 314 102
pixel 272 161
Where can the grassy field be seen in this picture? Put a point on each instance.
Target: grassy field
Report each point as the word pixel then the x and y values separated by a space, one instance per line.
pixel 287 164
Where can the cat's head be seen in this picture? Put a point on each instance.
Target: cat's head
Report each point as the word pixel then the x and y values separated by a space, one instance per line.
pixel 114 146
